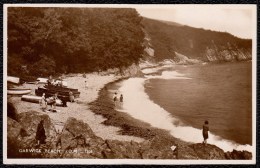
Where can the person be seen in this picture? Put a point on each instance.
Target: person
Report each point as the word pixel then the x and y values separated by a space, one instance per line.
pixel 205 131
pixel 71 97
pixel 115 99
pixel 86 84
pixel 84 75
pixel 50 81
pixel 40 133
pixel 121 100
pixel 43 101
pixel 53 102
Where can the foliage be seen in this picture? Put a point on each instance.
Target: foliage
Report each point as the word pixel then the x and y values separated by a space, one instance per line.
pixel 50 40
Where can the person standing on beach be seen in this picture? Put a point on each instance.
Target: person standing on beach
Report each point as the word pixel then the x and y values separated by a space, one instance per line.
pixel 205 131
pixel 115 99
pixel 71 96
pixel 121 99
pixel 86 85
pixel 53 102
pixel 43 101
pixel 40 133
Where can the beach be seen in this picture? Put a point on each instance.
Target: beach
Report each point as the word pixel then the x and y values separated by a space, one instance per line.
pixel 79 109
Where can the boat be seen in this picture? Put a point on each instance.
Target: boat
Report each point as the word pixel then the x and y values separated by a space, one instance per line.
pixel 37 99
pixel 53 87
pixel 18 91
pixel 31 98
pixel 59 91
pixel 13 79
pixel 56 81
pixel 42 80
pixel 50 94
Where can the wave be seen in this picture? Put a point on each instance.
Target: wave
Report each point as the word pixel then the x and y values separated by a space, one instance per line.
pixel 139 106
pixel 167 75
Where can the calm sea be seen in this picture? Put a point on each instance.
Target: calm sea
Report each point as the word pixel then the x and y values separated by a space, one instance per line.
pixel 219 93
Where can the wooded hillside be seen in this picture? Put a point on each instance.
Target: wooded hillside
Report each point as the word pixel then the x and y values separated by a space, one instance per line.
pixel 62 40
pixel 169 37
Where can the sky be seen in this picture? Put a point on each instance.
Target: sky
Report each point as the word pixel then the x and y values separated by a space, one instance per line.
pixel 239 20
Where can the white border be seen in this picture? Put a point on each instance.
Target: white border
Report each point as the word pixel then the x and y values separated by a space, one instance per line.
pixel 127 161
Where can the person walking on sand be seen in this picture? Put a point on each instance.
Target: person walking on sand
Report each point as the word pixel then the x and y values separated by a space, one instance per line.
pixel 205 131
pixel 121 99
pixel 115 99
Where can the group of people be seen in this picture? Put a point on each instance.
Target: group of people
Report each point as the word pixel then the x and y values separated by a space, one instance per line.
pixel 53 82
pixel 51 101
pixel 118 102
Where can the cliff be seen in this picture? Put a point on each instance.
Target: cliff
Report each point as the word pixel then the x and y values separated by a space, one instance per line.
pixel 169 40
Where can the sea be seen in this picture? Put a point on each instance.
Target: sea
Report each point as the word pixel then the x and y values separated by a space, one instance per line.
pixel 179 98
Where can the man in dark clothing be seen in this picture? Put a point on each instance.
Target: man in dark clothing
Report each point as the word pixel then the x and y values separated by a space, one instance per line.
pixel 40 133
pixel 205 131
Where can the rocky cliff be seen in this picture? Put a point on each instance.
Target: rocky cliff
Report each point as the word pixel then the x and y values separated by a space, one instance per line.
pixel 163 40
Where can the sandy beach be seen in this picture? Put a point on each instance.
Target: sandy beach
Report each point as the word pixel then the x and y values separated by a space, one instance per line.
pixel 79 109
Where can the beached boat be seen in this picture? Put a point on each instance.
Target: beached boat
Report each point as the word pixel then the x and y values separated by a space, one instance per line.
pixel 30 98
pixel 18 91
pixel 50 94
pixel 56 81
pixel 53 87
pixel 12 79
pixel 59 91
pixel 37 99
pixel 42 80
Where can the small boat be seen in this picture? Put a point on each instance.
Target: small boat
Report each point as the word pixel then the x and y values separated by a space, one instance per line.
pixel 12 79
pixel 42 80
pixel 53 87
pixel 55 81
pixel 60 92
pixel 30 98
pixel 18 91
pixel 37 99
pixel 49 94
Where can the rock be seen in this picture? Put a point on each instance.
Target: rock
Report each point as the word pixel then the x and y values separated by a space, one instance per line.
pixel 226 53
pixel 122 150
pixel 11 111
pixel 13 132
pixel 209 152
pixel 238 155
pixel 30 120
pixel 158 148
pixel 78 136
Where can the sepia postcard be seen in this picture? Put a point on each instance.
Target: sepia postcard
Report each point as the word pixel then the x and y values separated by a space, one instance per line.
pixel 129 84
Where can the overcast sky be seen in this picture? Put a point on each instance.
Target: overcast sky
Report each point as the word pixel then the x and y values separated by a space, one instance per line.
pixel 235 19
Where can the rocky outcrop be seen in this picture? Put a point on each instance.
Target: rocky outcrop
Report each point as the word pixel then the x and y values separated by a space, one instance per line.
pixel 77 140
pixel 184 60
pixel 21 135
pixel 238 155
pixel 131 71
pixel 209 152
pixel 227 53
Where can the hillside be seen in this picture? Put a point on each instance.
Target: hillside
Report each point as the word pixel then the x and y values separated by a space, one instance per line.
pixel 45 41
pixel 169 38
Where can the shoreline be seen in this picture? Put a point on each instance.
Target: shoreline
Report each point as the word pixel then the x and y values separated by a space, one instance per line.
pixel 130 126
pixel 137 127
pixel 95 107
